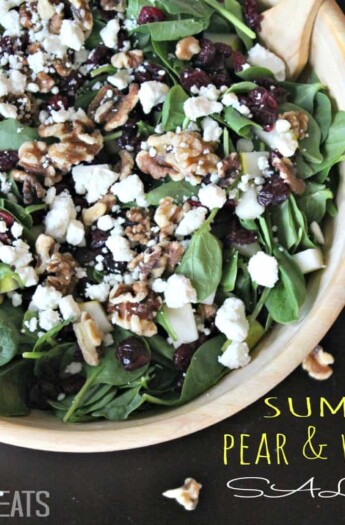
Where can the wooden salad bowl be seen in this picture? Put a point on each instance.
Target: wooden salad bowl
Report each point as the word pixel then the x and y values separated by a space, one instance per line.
pixel 274 358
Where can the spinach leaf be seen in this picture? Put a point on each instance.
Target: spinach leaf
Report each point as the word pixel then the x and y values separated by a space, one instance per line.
pixel 163 321
pixel 286 298
pixel 202 263
pixel 122 406
pixel 254 72
pixel 13 134
pixel 303 95
pixel 9 338
pixel 14 379
pixel 49 338
pixel 161 349
pixel 230 271
pixel 175 190
pixel 231 17
pixel 323 114
pixel 172 29
pixel 241 87
pixel 313 202
pixel 241 125
pixel 18 212
pixel 9 280
pixel 195 8
pixel 173 113
pixel 234 7
pixel 334 146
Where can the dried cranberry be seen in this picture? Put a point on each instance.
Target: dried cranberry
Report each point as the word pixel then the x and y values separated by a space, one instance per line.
pixel 223 49
pixel 274 192
pixel 149 14
pixel 252 15
pixel 220 77
pixel 7 217
pixel 6 46
pixel 263 106
pixel 8 160
pixel 194 77
pixel 72 384
pixel 113 266
pixel 149 71
pixel 239 235
pixel 57 102
pixel 129 138
pixel 207 53
pixel 183 356
pixel 84 255
pixel 238 60
pixel 279 93
pixel 100 55
pixel 132 353
pixel 72 83
pixel 98 238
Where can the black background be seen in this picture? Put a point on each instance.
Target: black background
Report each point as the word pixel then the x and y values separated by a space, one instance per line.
pixel 125 487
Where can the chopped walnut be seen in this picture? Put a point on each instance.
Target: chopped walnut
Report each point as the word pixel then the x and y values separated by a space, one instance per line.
pixel 55 23
pixel 152 262
pixel 26 105
pixel 288 173
pixel 44 82
pixel 230 167
pixel 79 142
pixel 187 495
pixel 299 123
pixel 82 14
pixel 179 155
pixel 140 228
pixel 28 14
pixel 206 311
pixel 109 200
pixel 111 108
pixel 33 157
pixel 125 167
pixel 174 251
pixel 44 246
pixel 92 214
pixel 31 187
pixel 135 308
pixel 187 48
pixel 89 337
pixel 317 364
pixel 114 5
pixel 167 216
pixel 61 270
pixel 62 67
pixel 128 60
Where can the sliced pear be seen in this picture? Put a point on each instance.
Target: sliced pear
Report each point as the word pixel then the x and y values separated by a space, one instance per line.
pixel 251 161
pixel 309 260
pixel 183 322
pixel 8 284
pixel 248 207
pixel 96 311
pixel 224 38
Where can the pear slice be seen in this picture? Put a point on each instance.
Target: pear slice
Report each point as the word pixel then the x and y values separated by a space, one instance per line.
pixel 251 161
pixel 183 322
pixel 96 311
pixel 309 260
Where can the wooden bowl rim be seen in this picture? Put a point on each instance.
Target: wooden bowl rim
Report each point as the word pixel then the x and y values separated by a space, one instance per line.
pixel 241 388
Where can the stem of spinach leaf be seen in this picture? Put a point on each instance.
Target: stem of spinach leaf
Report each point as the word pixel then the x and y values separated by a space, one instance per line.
pixel 112 136
pixel 231 18
pixel 32 355
pixel 260 304
pixel 79 397
pixel 101 70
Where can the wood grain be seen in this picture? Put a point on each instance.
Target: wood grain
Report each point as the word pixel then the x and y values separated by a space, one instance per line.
pixel 277 356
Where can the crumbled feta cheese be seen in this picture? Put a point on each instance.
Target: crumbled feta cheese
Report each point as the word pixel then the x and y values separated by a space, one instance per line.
pixel 75 234
pixel 129 189
pixel 45 297
pixel 151 94
pixel 120 248
pixel 121 79
pixel 8 110
pixel 3 226
pixel 262 57
pixel 48 319
pixel 94 181
pixel 98 292
pixel 17 255
pixel 109 34
pixel 73 368
pixel 210 92
pixel 231 319
pixel 28 275
pixel 159 286
pixel 71 34
pixel 232 100
pixel 16 299
pixel 36 61
pixel 284 141
pixel 53 45
pixel 17 82
pixel 196 107
pixel 105 223
pixel 191 221
pixel 62 212
pixel 31 324
pixel 248 206
pixel 235 356
pixel 263 269
pixel 212 196
pixel 10 21
pixel 282 125
pixel 212 130
pixel 179 292
pixel 16 230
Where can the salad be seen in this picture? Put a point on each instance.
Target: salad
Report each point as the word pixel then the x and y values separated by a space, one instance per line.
pixel 162 191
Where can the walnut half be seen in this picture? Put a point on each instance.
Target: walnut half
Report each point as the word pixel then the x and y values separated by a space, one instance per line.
pixel 317 364
pixel 187 495
pixel 89 337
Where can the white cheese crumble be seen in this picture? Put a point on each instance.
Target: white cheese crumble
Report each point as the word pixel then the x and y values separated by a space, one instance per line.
pixel 248 206
pixel 263 269
pixel 8 110
pixel 231 319
pixel 16 230
pixel 69 308
pixel 120 248
pixel 196 107
pixel 281 138
pixel 151 94
pixel 28 275
pixel 62 211
pixel 179 292
pixel 235 356
pixel 129 189
pixel 71 34
pixel 212 196
pixel 191 221
pixel 121 79
pixel 262 57
pixel 45 297
pixel 17 255
pixel 98 292
pixel 212 130
pixel 75 234
pixel 48 319
pixel 94 181
pixel 232 100
pixel 109 33
pixel 36 61
pixel 105 223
